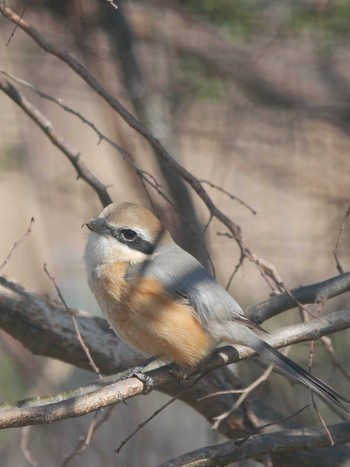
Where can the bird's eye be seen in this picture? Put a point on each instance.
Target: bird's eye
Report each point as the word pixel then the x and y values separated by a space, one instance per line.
pixel 128 234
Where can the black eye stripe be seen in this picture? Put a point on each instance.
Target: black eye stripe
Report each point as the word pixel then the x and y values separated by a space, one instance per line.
pixel 136 243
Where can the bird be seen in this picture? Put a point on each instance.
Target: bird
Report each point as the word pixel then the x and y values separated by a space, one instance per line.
pixel 162 302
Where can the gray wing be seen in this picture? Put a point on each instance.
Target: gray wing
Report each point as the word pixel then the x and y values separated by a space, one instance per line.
pixel 185 278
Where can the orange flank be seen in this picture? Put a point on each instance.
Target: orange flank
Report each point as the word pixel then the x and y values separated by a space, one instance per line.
pixel 147 318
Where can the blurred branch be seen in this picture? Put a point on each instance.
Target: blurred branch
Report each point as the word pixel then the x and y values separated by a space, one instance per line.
pixel 240 64
pixel 257 445
pixel 145 177
pixel 153 108
pixel 85 441
pixel 72 155
pixel 266 269
pixel 339 239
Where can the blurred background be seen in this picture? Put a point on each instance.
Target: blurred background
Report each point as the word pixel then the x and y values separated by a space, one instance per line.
pixel 253 96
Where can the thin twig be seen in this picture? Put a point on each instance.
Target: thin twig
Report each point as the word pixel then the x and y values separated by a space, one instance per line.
pixel 267 270
pixel 230 195
pixel 24 444
pixel 58 101
pixel 241 441
pixel 16 25
pixel 157 412
pixel 263 377
pixel 321 419
pixel 311 357
pixel 144 176
pixel 339 239
pixel 45 125
pixel 75 324
pixel 16 244
pixel 84 442
pixel 244 394
pixel 234 272
pixel 327 343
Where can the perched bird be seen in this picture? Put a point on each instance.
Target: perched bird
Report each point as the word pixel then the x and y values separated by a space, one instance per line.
pixel 162 301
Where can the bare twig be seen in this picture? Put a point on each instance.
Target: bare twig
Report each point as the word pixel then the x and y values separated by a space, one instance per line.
pixel 16 25
pixel 230 195
pixel 75 324
pixel 267 270
pixel 73 156
pixel 327 343
pixel 263 377
pixel 244 394
pixel 241 441
pixel 339 239
pixel 157 412
pixel 16 244
pixel 24 444
pixel 314 404
pixel 144 176
pixel 84 442
pixel 234 272
pixel 101 136
pixel 321 419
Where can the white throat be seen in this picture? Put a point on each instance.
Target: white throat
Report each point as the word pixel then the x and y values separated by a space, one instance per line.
pixel 101 250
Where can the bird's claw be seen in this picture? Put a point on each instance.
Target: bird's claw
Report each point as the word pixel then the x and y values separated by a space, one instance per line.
pixel 148 383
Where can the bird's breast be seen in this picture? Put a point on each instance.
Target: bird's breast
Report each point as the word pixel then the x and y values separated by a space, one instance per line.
pixel 145 316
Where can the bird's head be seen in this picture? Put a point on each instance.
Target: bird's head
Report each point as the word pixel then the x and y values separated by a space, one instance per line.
pixel 124 232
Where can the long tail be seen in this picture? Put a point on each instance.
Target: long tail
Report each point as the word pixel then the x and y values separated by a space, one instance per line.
pixel 286 364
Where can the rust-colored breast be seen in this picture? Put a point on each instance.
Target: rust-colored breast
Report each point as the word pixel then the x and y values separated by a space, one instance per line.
pixel 149 320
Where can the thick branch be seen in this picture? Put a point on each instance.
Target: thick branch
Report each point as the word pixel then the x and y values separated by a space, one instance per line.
pixel 314 293
pixel 29 317
pixel 256 446
pixel 45 328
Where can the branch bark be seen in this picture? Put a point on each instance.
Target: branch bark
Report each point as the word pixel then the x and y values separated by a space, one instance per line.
pixel 258 445
pixel 314 293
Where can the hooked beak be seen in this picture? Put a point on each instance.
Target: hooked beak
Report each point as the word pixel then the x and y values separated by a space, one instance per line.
pixel 97 225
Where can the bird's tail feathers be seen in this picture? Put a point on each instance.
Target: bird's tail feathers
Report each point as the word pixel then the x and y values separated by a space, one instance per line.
pixel 287 365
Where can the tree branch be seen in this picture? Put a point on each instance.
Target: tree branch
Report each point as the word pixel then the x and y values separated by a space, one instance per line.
pixel 164 156
pixel 45 328
pixel 72 155
pixel 257 445
pixel 27 316
pixel 314 293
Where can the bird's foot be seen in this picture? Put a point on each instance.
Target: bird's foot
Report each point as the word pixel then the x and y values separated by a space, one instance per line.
pixel 136 372
pixel 148 383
